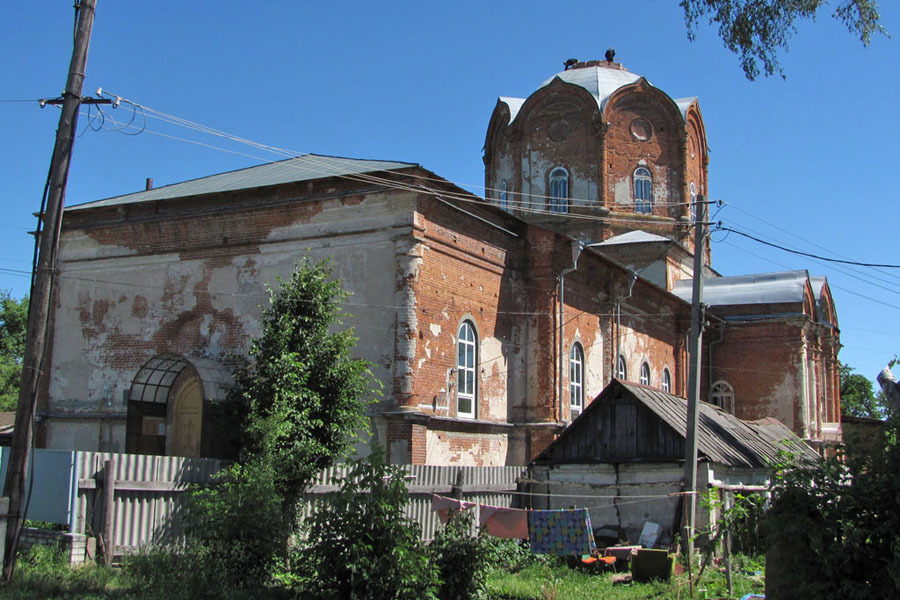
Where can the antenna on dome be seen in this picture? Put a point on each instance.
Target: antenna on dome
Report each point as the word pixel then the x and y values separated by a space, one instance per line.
pixel 610 54
pixel 570 63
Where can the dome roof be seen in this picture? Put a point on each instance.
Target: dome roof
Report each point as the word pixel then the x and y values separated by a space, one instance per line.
pixel 600 82
pixel 599 78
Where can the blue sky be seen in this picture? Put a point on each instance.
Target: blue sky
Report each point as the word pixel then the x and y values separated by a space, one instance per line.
pixel 803 162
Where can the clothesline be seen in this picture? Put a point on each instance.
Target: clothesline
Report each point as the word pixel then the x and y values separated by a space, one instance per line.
pixel 563 532
pixel 555 495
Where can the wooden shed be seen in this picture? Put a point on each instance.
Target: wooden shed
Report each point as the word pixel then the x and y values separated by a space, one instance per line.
pixel 623 458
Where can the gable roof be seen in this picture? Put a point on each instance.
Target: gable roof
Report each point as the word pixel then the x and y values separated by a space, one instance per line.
pixel 658 424
pixel 300 168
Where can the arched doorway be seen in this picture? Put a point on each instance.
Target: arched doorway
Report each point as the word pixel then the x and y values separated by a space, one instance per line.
pixel 169 406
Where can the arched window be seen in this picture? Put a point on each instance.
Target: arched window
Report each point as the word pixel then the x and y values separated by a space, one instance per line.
pixel 503 202
pixel 667 381
pixel 645 374
pixel 559 190
pixel 466 352
pixel 722 395
pixel 693 203
pixel 576 380
pixel 643 197
pixel 621 370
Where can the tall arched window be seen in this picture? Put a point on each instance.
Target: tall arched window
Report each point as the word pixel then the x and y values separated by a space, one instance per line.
pixel 466 353
pixel 645 374
pixel 559 190
pixel 666 381
pixel 576 380
pixel 621 370
pixel 503 201
pixel 643 196
pixel 722 395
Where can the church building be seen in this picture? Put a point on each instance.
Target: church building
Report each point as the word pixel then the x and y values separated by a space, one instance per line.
pixel 491 322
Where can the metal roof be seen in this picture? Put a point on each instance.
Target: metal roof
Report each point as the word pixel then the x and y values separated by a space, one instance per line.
pixel 684 104
pixel 633 237
pixel 301 168
pixel 761 288
pixel 514 104
pixel 721 437
pixel 600 82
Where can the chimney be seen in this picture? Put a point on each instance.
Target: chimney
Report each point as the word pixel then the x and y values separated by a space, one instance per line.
pixel 149 184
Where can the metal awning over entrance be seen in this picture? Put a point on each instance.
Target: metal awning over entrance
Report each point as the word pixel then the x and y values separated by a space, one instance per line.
pixel 154 380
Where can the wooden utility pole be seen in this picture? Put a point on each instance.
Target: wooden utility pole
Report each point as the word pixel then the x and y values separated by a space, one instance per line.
pixel 693 398
pixel 36 337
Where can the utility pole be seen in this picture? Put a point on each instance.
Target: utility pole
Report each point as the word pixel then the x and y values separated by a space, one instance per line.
pixel 36 337
pixel 693 398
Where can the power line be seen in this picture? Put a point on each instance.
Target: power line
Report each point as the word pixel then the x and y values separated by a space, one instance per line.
pixel 808 254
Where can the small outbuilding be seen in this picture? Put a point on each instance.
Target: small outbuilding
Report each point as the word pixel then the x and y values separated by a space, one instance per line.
pixel 623 458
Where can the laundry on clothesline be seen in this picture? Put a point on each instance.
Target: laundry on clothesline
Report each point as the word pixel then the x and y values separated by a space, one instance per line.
pixel 561 532
pixel 443 505
pixel 511 523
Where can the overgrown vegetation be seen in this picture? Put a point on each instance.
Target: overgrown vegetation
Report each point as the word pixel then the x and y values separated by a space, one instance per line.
pixel 832 528
pixel 360 544
pixel 462 559
pixel 514 573
pixel 13 323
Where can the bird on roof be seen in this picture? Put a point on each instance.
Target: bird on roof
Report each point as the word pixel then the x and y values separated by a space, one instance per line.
pixel 570 63
pixel 610 54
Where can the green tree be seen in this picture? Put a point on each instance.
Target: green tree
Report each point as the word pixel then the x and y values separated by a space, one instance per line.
pixel 832 526
pixel 758 30
pixel 858 397
pixel 13 324
pixel 304 395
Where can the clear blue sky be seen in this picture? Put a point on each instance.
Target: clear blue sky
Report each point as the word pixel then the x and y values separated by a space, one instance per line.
pixel 804 162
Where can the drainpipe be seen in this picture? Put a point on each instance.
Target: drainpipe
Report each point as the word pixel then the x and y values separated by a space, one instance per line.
pixel 576 248
pixel 711 378
pixel 619 322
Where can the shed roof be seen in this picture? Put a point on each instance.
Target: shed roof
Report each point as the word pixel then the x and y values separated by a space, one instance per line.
pixel 759 288
pixel 721 437
pixel 633 237
pixel 300 168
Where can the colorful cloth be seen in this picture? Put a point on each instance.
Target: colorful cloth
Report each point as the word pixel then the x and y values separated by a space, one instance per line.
pixel 443 505
pixel 502 522
pixel 561 532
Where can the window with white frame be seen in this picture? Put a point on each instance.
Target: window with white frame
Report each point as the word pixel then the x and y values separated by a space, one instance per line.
pixel 503 200
pixel 643 196
pixel 666 381
pixel 576 380
pixel 645 374
pixel 559 190
pixel 621 370
pixel 722 395
pixel 466 352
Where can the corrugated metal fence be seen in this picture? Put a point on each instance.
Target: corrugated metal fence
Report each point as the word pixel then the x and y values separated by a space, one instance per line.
pixel 146 491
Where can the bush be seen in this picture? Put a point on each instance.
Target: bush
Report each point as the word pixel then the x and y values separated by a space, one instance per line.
pixel 832 529
pixel 361 545
pixel 234 540
pixel 462 559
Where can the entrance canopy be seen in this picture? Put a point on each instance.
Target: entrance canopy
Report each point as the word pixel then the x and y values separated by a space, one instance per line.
pixel 154 380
